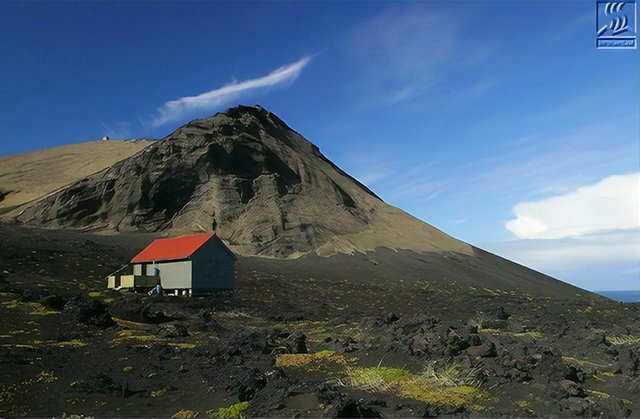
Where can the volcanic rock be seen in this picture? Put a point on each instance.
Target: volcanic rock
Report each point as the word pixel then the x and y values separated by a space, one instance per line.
pixel 245 174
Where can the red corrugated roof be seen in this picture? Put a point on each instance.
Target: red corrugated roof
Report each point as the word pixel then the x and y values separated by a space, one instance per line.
pixel 172 249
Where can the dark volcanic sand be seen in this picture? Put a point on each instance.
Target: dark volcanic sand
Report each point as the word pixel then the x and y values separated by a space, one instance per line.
pixel 541 350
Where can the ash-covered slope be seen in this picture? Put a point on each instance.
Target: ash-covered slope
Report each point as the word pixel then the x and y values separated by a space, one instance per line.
pixel 30 176
pixel 245 174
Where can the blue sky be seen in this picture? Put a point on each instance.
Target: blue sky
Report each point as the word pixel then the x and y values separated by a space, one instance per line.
pixel 497 121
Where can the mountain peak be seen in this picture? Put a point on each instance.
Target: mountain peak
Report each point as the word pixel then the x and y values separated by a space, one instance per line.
pixel 245 115
pixel 246 175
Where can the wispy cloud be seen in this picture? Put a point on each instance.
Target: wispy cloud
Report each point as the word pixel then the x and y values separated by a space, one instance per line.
pixel 550 163
pixel 406 52
pixel 177 109
pixel 397 49
pixel 119 130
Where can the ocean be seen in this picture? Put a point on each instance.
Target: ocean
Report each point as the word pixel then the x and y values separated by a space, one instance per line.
pixel 623 296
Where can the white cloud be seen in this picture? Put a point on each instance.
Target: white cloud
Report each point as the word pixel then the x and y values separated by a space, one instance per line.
pixel 589 236
pixel 571 253
pixel 611 204
pixel 175 110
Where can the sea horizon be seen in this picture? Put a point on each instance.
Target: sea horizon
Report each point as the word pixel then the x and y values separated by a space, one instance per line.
pixel 624 296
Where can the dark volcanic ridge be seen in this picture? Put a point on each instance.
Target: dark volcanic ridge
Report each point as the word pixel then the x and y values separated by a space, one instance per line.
pixel 245 174
pixel 267 191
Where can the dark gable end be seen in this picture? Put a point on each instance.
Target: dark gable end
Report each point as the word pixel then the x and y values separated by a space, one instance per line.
pixel 223 246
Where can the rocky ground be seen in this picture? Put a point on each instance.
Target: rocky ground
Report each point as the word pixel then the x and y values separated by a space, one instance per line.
pixel 293 339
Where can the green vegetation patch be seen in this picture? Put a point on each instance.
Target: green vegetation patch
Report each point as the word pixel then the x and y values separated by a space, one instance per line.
pixel 446 385
pixel 378 379
pixel 231 412
pixel 324 362
pixel 454 397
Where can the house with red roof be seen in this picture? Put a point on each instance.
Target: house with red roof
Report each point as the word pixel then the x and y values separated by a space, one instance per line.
pixel 185 265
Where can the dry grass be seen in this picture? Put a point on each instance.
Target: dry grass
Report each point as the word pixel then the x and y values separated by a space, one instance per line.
pixel 623 340
pixel 159 392
pixel 377 379
pixel 324 362
pixel 185 414
pixel 125 336
pixel 183 345
pixel 442 385
pixel 450 375
pixel 447 385
pixel 480 320
pixel 76 343
pixel 583 363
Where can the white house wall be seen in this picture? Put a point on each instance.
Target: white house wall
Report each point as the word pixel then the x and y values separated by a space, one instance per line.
pixel 175 274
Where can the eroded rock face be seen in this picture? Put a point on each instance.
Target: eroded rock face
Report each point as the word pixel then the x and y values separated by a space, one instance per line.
pixel 243 173
pixel 246 175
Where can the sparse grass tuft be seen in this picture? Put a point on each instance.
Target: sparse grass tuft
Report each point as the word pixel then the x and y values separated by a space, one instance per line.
pixel 131 335
pixel 183 345
pixel 623 340
pixel 534 334
pixel 36 308
pixel 185 414
pixel 522 404
pixel 235 411
pixel 71 343
pixel 450 375
pixel 44 312
pixel 598 394
pixel 327 362
pixel 480 320
pixel 583 363
pixel 440 385
pixel 377 379
pixel 45 377
pixel 159 392
pixel 454 397
pixel 447 385
pixel 489 330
